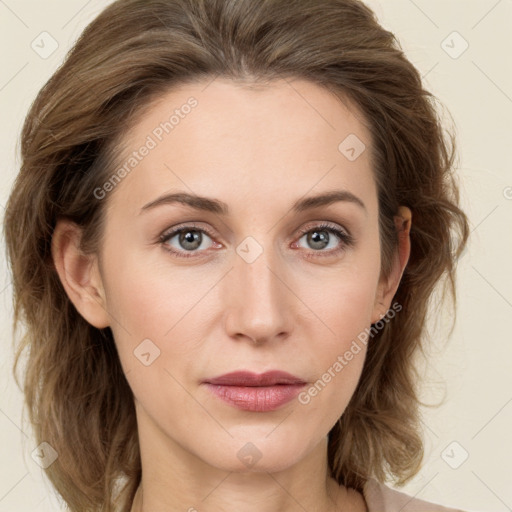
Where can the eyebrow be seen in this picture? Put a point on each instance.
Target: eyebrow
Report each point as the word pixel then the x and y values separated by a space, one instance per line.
pixel 219 207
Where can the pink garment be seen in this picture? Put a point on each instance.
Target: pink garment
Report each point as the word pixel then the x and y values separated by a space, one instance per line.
pixel 381 498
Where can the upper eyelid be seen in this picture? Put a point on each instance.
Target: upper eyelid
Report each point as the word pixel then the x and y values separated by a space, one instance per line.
pixel 181 227
pixel 326 225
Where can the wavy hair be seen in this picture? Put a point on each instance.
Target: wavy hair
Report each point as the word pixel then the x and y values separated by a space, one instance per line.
pixel 135 51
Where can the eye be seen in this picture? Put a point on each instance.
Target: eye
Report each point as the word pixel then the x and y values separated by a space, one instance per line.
pixel 318 238
pixel 187 239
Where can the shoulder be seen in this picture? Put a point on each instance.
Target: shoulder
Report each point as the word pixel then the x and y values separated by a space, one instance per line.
pixel 380 498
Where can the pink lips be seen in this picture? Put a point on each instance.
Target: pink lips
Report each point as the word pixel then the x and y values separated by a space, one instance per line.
pixel 252 392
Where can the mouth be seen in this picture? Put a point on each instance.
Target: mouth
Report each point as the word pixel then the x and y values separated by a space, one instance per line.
pixel 250 379
pixel 256 392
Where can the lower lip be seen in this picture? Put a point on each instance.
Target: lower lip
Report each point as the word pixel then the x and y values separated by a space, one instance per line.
pixel 257 399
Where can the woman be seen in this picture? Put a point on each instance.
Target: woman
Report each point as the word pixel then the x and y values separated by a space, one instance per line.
pixel 229 221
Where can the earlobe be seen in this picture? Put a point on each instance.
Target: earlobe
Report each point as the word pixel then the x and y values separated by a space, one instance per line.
pixel 79 274
pixel 388 287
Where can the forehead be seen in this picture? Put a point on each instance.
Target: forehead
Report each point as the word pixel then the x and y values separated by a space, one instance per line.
pixel 243 144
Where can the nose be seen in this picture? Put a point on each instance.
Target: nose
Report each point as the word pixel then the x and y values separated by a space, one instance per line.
pixel 258 298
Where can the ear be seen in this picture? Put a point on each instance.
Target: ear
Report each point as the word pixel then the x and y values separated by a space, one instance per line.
pixel 79 274
pixel 388 287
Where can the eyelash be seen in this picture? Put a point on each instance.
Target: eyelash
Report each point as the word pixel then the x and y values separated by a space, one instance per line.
pixel 346 239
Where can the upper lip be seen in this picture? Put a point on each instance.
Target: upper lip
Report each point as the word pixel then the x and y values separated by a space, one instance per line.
pixel 245 378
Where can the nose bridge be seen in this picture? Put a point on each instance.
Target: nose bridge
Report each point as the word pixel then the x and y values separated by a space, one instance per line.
pixel 260 300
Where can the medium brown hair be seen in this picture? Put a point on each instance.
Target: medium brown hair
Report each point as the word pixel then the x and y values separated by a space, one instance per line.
pixel 136 50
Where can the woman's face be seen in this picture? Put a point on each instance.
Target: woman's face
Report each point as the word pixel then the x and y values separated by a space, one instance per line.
pixel 261 283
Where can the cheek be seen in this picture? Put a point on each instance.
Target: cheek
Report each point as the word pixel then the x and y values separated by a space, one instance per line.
pixel 158 317
pixel 344 304
pixel 348 300
pixel 148 297
pixel 153 323
pixel 338 356
pixel 346 311
pixel 344 298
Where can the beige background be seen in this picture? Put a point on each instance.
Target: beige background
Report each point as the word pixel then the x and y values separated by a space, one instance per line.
pixel 474 366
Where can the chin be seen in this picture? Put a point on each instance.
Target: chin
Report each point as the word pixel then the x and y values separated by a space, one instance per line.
pixel 258 453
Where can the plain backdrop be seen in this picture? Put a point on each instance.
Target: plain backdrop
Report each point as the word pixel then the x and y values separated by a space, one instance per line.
pixel 462 48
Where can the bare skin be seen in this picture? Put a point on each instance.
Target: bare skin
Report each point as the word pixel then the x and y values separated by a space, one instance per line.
pixel 296 307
